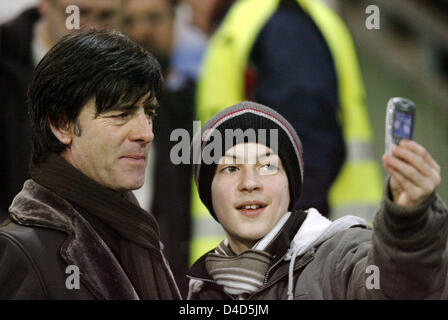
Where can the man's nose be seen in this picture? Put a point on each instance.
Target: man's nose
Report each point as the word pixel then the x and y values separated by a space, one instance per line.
pixel 142 129
pixel 250 180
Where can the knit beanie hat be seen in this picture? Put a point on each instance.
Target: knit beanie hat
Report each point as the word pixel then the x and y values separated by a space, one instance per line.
pixel 283 140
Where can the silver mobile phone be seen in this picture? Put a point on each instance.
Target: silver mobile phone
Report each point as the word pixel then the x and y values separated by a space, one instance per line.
pixel 400 118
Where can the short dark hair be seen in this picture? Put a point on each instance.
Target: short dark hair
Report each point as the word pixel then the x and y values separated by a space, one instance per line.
pixel 106 65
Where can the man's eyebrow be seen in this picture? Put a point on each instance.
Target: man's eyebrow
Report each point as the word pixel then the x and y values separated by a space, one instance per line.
pixel 153 105
pixel 123 107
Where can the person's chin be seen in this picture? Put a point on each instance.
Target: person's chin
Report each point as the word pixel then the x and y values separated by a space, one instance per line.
pixel 253 236
pixel 132 180
pixel 130 167
pixel 131 186
pixel 253 229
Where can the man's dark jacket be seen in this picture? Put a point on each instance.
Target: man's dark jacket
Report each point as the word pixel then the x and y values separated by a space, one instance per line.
pixel 35 251
pixel 61 222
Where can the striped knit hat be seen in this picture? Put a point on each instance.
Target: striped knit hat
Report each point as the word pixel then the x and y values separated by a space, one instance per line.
pixel 246 115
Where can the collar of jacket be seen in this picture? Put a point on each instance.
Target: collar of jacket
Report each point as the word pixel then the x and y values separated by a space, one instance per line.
pixel 278 246
pixel 279 249
pixel 101 272
pixel 279 270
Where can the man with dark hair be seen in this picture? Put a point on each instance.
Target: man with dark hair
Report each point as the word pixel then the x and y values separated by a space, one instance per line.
pixel 75 230
pixel 24 40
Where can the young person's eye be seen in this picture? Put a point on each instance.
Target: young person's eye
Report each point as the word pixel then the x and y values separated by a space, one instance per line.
pixel 268 168
pixel 229 169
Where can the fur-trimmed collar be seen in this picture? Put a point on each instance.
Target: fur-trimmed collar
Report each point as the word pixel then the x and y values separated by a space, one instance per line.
pixel 101 273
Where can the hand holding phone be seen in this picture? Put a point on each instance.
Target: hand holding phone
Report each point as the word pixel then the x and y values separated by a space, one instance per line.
pixel 400 118
pixel 414 173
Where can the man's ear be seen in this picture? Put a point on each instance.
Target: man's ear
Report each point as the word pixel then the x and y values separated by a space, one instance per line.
pixel 63 134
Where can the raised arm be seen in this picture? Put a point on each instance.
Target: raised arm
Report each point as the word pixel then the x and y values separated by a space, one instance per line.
pixel 410 231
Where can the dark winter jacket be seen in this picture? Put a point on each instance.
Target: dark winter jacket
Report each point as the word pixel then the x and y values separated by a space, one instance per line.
pixel 40 243
pixel 402 257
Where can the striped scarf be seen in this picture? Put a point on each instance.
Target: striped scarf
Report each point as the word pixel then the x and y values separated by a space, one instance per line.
pixel 240 275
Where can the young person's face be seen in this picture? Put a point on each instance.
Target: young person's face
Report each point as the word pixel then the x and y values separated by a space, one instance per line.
pixel 112 147
pixel 249 193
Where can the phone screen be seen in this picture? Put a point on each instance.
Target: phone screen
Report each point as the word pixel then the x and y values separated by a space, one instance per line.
pixel 403 125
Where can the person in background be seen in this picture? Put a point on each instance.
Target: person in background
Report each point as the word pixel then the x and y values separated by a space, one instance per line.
pixel 273 251
pixel 76 224
pixel 201 13
pixel 23 42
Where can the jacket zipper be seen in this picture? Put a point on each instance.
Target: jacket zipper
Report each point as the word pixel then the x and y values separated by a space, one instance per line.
pixel 303 263
pixel 268 273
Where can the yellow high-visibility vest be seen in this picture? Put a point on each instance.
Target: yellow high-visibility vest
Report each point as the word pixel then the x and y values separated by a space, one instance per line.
pixel 357 189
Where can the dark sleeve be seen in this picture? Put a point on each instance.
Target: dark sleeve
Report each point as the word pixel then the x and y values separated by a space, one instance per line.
pixel 19 277
pixel 403 258
pixel 409 248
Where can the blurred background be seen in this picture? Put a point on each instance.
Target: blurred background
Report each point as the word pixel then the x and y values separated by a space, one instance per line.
pixel 407 57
